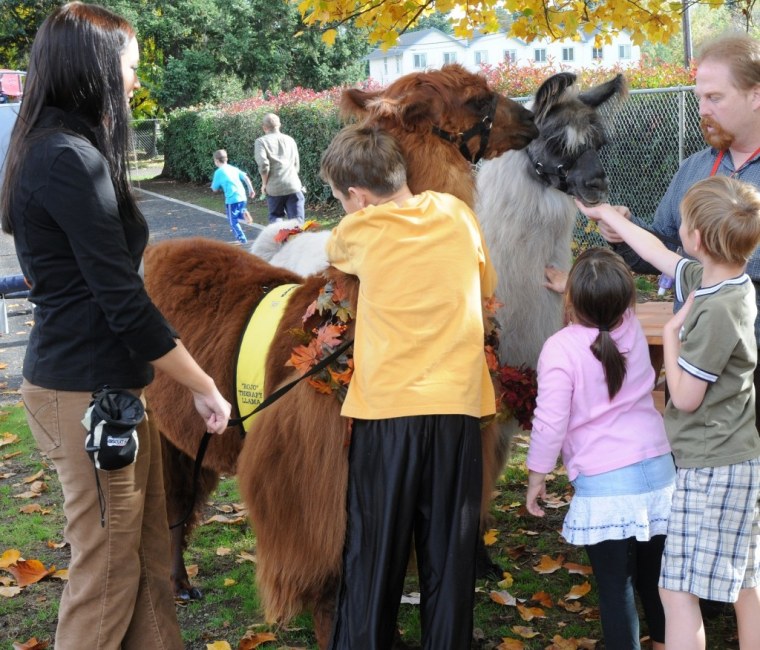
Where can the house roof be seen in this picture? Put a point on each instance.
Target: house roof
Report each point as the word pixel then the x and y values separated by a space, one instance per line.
pixel 408 39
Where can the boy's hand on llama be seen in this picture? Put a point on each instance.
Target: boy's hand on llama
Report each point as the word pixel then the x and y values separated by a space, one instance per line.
pixel 556 279
pixel 536 491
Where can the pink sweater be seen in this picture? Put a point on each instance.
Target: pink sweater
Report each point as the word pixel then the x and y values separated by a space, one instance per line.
pixel 574 414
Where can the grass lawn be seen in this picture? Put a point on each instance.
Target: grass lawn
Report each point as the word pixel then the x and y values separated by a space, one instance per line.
pixel 533 608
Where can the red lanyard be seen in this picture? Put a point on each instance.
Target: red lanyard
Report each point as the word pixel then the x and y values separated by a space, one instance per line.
pixel 716 164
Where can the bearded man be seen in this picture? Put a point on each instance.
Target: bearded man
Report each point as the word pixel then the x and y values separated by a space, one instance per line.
pixel 728 90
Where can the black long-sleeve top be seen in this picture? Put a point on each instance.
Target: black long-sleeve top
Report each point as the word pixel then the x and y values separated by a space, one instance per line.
pixel 94 323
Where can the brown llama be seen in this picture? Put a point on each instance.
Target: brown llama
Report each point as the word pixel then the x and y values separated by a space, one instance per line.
pixel 293 466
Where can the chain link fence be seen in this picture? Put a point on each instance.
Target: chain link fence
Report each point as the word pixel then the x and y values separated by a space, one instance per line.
pixel 651 133
pixel 147 140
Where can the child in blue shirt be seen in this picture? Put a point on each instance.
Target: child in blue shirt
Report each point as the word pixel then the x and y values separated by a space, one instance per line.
pixel 234 182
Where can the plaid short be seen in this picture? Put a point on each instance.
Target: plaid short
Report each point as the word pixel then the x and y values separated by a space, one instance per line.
pixel 713 532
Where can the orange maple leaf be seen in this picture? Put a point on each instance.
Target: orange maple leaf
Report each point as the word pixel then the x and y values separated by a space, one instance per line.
pixel 529 613
pixel 304 356
pixel 542 598
pixel 321 386
pixel 548 564
pixel 578 591
pixel 28 572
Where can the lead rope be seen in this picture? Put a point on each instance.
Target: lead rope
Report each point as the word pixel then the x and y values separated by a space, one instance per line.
pixel 239 421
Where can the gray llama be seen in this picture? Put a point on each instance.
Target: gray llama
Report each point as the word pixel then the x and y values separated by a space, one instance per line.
pixel 525 206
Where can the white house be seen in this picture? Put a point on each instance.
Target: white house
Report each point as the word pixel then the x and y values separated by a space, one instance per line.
pixel 431 48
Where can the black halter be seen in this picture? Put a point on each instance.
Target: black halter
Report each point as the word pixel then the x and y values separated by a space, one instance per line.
pixel 544 172
pixel 482 128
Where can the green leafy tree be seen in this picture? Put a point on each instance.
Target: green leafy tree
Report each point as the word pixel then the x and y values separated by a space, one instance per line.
pixel 19 21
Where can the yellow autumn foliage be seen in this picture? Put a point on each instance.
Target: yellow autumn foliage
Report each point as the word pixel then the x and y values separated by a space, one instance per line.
pixel 385 20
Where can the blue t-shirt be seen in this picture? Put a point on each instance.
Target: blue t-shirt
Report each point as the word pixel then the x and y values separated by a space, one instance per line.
pixel 230 179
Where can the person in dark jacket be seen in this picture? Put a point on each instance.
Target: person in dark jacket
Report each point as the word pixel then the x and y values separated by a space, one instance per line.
pixel 79 237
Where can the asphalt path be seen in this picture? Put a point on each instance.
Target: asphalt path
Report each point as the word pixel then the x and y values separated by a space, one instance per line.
pixel 167 218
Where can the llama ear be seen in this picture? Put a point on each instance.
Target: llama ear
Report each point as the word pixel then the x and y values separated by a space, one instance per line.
pixel 420 109
pixel 355 102
pixel 550 91
pixel 603 92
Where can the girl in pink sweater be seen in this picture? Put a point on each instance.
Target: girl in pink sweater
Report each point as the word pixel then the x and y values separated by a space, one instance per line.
pixel 595 407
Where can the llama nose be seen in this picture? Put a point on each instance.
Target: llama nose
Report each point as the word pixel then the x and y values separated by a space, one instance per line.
pixel 597 183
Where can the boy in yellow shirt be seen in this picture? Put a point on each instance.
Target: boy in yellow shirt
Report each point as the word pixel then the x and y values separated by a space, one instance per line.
pixel 419 388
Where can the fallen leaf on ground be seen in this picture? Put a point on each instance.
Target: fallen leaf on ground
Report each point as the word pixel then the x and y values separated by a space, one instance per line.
pixel 578 591
pixel 8 438
pixel 490 537
pixel 542 598
pixel 221 519
pixel 192 570
pixel 529 613
pixel 503 598
pixel 548 564
pixel 245 556
pixel 255 640
pixel 506 582
pixel 11 556
pixel 525 632
pixel 510 644
pixel 9 592
pixel 32 508
pixel 28 572
pixel 61 574
pixel 577 568
pixel 218 645
pixel 223 550
pixel 32 479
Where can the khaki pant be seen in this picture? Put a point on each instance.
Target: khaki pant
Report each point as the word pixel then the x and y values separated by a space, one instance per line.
pixel 118 595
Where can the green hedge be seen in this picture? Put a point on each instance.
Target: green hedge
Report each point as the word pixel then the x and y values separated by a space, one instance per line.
pixel 191 136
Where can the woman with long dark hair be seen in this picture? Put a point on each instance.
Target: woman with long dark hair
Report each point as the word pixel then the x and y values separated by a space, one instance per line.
pixel 79 237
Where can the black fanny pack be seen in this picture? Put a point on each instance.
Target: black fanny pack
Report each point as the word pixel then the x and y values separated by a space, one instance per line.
pixel 111 422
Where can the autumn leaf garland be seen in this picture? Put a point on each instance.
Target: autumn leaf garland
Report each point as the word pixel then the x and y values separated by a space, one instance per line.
pixel 515 388
pixel 321 341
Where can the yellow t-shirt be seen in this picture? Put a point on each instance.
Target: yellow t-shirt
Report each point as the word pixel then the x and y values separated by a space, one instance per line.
pixel 423 270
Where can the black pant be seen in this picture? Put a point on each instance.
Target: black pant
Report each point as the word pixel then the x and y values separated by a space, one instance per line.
pixel 417 475
pixel 621 568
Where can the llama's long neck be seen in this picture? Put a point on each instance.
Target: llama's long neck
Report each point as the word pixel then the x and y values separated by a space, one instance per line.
pixel 527 226
pixel 439 166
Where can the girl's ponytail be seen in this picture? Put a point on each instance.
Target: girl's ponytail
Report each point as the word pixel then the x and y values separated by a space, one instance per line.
pixel 600 289
pixel 613 362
